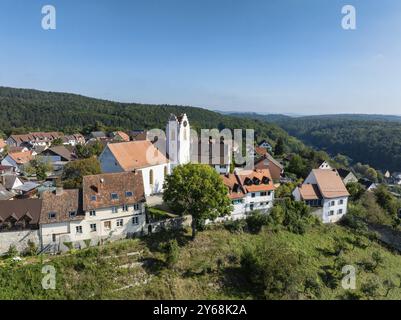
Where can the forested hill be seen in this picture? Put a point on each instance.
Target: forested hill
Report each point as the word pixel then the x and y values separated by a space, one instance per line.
pixel 23 110
pixel 371 139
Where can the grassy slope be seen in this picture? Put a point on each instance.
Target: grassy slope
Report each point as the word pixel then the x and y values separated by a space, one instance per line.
pixel 99 272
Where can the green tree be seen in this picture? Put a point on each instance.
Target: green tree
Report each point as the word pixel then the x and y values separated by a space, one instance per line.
pixel 356 190
pixel 75 170
pixel 57 142
pixel 279 148
pixel 297 166
pixel 197 190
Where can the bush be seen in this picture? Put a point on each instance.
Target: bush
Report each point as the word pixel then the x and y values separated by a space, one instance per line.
pixel 235 226
pixel 12 252
pixel 172 253
pixel 256 221
pixel 32 248
pixel 274 270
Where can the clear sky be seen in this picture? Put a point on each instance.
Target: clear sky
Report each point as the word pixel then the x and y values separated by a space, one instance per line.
pixel 278 56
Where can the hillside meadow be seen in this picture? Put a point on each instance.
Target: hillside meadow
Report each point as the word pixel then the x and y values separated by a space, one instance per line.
pixel 210 267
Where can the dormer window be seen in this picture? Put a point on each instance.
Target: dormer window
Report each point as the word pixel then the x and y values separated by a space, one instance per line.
pixel 52 215
pixel 93 198
pixel 72 214
pixel 266 180
pixel 128 194
pixel 114 196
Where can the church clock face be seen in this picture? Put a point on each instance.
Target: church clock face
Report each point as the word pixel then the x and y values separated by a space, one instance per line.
pixel 185 123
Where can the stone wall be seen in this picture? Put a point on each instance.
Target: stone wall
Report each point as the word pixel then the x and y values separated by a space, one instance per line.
pixel 19 239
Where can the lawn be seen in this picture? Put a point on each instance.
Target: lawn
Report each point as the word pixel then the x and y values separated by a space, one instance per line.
pixel 207 268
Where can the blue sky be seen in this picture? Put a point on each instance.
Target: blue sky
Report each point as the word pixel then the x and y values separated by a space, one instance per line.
pixel 278 56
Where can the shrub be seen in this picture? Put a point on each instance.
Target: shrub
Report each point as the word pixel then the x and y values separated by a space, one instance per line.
pixel 32 248
pixel 172 253
pixel 12 252
pixel 256 221
pixel 235 226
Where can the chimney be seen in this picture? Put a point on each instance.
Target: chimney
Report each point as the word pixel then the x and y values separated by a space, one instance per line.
pixel 59 191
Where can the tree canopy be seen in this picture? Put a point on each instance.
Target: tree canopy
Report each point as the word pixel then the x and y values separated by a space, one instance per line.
pixel 197 190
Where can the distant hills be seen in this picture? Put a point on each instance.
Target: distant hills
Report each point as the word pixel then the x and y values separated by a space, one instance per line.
pixel 371 139
pixel 25 110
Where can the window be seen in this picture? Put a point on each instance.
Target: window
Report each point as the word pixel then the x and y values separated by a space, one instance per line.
pixel 269 193
pixel 72 214
pixel 93 198
pixel 52 215
pixel 263 194
pixel 135 220
pixel 253 195
pixel 340 211
pixel 93 227
pixel 331 213
pixel 78 229
pixel 114 210
pixel 125 208
pixel 332 203
pixel 341 201
pixel 237 201
pixel 54 237
pixel 128 194
pixel 136 206
pixel 92 213
pixel 151 177
pixel 107 225
pixel 114 196
pixel 120 222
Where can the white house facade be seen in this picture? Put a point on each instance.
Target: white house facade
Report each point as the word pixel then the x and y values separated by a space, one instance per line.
pixel 324 191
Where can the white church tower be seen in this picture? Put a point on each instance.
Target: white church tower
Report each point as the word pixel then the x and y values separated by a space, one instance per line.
pixel 178 140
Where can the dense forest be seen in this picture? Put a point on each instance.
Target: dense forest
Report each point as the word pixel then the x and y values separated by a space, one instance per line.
pixel 371 139
pixel 25 110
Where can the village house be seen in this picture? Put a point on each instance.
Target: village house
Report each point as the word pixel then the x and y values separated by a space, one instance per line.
pixel 249 191
pixel 112 206
pixel 325 165
pixel 6 169
pixel 73 139
pixel 370 186
pixel 347 176
pixel 19 223
pixel 5 194
pixel 11 181
pixel 17 160
pixel 324 190
pixel 265 161
pixel 266 145
pixel 33 139
pixel 120 136
pixel 140 156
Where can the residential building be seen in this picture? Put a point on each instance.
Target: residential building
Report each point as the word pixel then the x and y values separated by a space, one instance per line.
pixel 120 136
pixel 11 181
pixel 324 190
pixel 33 139
pixel 264 160
pixel 140 156
pixel 114 204
pixel 347 176
pixel 60 218
pixel 370 186
pixel 73 139
pixel 325 166
pixel 19 223
pixel 266 145
pixel 17 160
pixel 249 191
pixel 5 194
